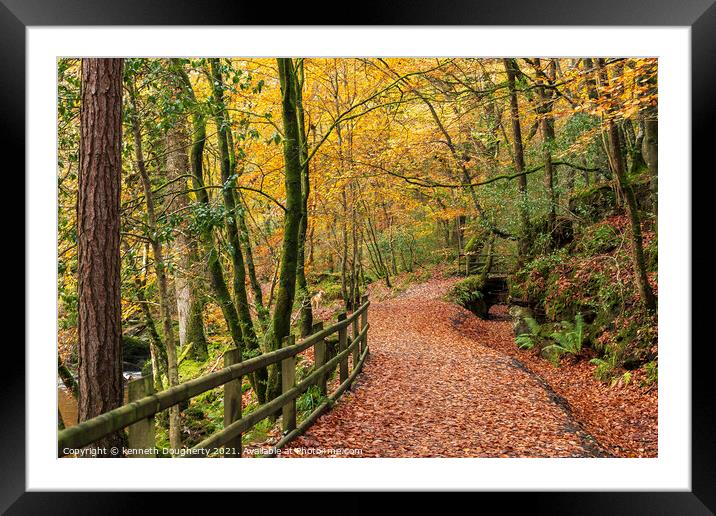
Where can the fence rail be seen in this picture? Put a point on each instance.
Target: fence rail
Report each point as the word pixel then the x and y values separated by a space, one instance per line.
pixel 138 415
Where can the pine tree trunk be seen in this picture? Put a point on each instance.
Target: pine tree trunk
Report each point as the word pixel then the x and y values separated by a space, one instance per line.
pixel 98 235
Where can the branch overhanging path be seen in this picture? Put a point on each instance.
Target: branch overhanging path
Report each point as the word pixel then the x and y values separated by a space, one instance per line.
pixel 430 389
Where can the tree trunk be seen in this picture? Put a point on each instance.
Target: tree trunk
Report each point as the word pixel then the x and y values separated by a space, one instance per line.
pixel 619 166
pixel 589 81
pixel 637 248
pixel 383 269
pixel 228 178
pixel 98 235
pixel 519 156
pixel 651 150
pixel 160 270
pixel 636 153
pixel 216 273
pixel 281 323
pixel 189 306
pixel 546 120
pixel 306 317
pixel 261 311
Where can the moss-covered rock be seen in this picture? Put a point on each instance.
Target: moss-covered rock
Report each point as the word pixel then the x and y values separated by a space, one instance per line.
pixel 519 315
pixel 544 239
pixel 134 350
pixel 469 294
pixel 594 203
pixel 598 238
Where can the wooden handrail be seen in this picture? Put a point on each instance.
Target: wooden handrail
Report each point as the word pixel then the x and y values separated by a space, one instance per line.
pixel 220 438
pixel 94 429
pixel 313 416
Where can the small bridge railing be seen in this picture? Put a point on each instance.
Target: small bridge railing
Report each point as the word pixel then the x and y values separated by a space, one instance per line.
pixel 138 415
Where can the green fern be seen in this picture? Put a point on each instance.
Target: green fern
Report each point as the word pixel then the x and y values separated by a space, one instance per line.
pixel 310 400
pixel 569 340
pixel 605 366
pixel 529 340
pixel 652 372
pixel 626 378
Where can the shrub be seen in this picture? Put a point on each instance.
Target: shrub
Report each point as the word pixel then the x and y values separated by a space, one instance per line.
pixel 605 366
pixel 331 291
pixel 624 380
pixel 531 281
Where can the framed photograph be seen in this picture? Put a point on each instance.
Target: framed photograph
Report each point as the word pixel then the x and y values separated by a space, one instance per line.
pixel 442 249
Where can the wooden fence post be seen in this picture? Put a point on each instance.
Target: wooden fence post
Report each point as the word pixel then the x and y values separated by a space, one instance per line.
pixel 232 403
pixel 140 435
pixel 319 357
pixel 288 381
pixel 342 338
pixel 356 347
pixel 364 323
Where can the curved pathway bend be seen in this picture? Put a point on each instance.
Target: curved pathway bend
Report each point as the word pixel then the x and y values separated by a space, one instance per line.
pixel 430 389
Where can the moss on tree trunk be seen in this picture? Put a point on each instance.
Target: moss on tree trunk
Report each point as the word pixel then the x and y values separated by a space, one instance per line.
pixel 281 323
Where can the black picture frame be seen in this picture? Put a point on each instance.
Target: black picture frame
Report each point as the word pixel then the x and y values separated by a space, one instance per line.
pixel 700 15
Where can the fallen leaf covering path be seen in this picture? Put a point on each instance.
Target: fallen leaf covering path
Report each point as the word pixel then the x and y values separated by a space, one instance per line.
pixel 432 387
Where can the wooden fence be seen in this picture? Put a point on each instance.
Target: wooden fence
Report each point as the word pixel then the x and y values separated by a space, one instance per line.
pixel 138 415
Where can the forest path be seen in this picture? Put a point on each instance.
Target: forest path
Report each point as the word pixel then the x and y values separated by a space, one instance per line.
pixel 429 388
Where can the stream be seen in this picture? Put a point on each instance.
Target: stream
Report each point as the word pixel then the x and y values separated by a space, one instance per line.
pixel 67 404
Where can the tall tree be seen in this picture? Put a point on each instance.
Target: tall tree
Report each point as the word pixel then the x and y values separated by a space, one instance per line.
pixel 216 272
pixel 513 71
pixel 228 190
pixel 616 158
pixel 306 310
pixel 160 265
pixel 262 312
pixel 651 142
pixel 281 322
pixel 545 80
pixel 98 242
pixel 189 303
